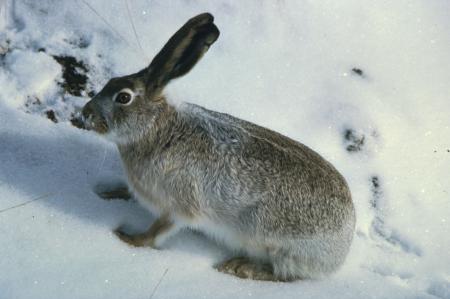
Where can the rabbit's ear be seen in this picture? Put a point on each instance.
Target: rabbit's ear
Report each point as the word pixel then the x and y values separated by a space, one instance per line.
pixel 183 50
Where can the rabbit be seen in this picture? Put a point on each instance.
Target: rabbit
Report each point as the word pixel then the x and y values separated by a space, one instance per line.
pixel 282 210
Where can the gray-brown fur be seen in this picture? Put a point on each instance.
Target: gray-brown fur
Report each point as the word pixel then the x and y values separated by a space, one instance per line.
pixel 260 193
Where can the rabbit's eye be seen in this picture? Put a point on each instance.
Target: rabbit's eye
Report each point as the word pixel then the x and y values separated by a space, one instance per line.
pixel 123 97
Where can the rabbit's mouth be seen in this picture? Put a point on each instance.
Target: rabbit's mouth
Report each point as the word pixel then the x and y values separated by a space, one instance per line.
pixel 93 122
pixel 96 124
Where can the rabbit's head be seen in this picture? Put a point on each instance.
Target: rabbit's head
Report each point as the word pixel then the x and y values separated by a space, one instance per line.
pixel 127 105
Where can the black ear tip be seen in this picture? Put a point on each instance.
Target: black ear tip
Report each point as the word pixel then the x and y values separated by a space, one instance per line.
pixel 207 16
pixel 213 33
pixel 203 18
pixel 207 34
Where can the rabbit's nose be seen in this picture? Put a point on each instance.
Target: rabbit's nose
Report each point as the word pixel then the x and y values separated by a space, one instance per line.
pixel 87 111
pixel 92 117
pixel 88 114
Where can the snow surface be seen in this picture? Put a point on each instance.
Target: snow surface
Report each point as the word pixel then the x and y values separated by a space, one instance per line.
pixel 286 65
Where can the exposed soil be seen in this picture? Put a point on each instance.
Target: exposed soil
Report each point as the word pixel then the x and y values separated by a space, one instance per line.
pixel 354 141
pixel 74 74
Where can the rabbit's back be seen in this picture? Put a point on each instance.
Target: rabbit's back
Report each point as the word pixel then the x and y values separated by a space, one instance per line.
pixel 252 175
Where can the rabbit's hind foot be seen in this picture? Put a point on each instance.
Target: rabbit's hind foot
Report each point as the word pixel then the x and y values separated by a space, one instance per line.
pixel 244 267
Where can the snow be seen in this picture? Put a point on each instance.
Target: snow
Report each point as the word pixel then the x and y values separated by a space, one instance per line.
pixel 287 65
pixel 38 82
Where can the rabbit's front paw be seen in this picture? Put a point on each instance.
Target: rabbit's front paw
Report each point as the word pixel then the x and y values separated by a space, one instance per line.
pixel 138 240
pixel 112 191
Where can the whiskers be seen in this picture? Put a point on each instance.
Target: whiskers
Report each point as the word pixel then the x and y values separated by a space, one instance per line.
pixel 102 163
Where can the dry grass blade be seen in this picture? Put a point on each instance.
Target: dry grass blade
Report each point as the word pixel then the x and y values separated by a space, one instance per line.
pixel 134 29
pixel 159 282
pixel 27 202
pixel 105 21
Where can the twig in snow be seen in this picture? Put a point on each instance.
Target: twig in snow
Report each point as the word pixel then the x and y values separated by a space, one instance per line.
pixel 159 282
pixel 106 22
pixel 27 202
pixel 134 29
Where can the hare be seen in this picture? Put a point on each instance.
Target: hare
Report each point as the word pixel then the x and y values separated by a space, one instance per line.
pixel 283 211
